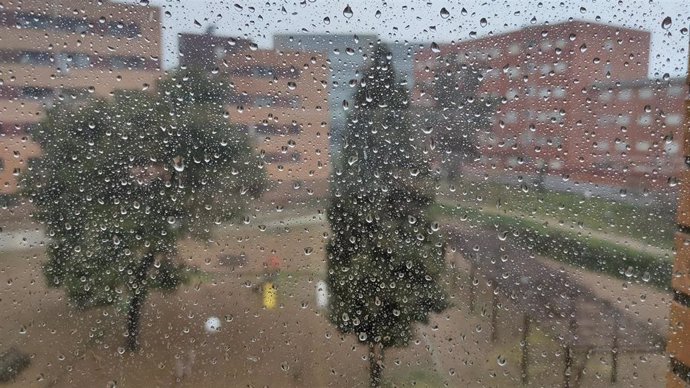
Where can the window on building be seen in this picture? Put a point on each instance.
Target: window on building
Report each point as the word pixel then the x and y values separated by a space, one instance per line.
pixel 645 120
pixel 625 95
pixel 674 119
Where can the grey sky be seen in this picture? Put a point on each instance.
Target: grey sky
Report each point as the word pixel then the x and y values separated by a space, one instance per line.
pixel 421 21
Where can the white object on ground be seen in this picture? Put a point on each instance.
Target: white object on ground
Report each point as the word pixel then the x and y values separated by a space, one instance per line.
pixel 321 294
pixel 212 325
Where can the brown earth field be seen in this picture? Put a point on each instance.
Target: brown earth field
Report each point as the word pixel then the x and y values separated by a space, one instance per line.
pixel 293 345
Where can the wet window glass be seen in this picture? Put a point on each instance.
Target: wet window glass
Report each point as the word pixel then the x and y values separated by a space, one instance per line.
pixel 316 193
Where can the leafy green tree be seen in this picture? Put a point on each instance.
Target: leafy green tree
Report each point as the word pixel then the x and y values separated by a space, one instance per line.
pixel 121 180
pixel 385 255
pixel 461 113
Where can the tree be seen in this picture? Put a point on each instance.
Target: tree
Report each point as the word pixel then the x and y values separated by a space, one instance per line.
pixel 385 255
pixel 461 113
pixel 121 180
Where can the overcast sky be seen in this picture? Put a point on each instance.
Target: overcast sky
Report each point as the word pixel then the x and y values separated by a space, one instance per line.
pixel 418 21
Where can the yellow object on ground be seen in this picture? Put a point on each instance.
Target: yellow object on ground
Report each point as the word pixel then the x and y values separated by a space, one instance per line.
pixel 270 296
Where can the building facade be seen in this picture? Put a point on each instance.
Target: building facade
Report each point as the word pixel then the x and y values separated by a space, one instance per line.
pixel 633 133
pixel 678 346
pixel 281 100
pixel 66 50
pixel 203 50
pixel 347 54
pixel 551 81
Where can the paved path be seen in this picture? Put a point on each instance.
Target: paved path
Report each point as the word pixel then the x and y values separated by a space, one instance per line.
pixel 21 240
pixel 551 297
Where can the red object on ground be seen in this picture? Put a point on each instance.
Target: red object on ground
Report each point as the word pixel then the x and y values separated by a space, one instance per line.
pixel 273 262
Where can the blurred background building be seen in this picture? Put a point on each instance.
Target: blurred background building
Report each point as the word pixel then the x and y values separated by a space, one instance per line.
pixel 203 50
pixel 575 101
pixel 347 55
pixel 281 100
pixel 679 332
pixel 67 50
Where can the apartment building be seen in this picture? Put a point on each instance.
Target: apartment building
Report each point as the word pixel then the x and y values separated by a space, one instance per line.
pixel 281 99
pixel 202 51
pixel 633 133
pixel 66 50
pixel 552 81
pixel 347 54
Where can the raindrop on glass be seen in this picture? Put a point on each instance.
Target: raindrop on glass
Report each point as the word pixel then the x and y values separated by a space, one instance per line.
pixel 347 12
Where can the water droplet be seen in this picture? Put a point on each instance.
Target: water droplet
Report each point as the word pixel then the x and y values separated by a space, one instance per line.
pixel 292 85
pixel 326 20
pixel 501 360
pixel 435 48
pixel 178 164
pixel 583 48
pixel 666 23
pixel 362 337
pixel 483 22
pixel 347 12
pixel 629 272
pixel 646 277
pixel 444 13
pixel 377 14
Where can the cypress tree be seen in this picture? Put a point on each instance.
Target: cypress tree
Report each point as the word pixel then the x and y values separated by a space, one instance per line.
pixel 385 254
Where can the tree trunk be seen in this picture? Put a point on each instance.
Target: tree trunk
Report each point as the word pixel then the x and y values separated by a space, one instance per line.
pixel 454 164
pixel 133 319
pixel 136 302
pixel 375 364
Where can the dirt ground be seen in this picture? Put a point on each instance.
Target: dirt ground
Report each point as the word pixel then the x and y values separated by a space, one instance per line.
pixel 293 345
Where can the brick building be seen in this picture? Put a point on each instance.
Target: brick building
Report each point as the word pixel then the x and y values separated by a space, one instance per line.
pixel 204 50
pixel 632 132
pixel 678 346
pixel 281 100
pixel 347 54
pixel 551 80
pixel 67 49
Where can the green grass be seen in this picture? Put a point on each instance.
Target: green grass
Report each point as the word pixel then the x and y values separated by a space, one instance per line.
pixel 653 225
pixel 413 378
pixel 570 247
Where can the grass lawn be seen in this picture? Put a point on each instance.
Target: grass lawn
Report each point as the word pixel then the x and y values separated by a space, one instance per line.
pixel 570 247
pixel 654 225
